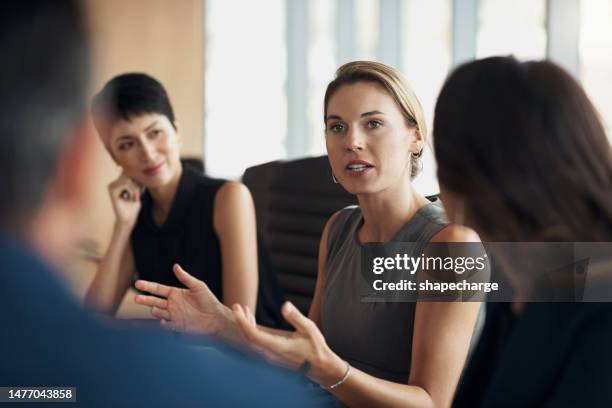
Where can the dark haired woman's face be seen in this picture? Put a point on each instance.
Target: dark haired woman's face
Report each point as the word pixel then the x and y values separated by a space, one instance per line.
pixel 147 148
pixel 368 140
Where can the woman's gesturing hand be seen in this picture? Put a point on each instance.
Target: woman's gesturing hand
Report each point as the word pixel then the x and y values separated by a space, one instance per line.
pixel 292 349
pixel 125 196
pixel 193 310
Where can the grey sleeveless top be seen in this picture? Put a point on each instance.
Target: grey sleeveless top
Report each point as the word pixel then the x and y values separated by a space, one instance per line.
pixel 374 337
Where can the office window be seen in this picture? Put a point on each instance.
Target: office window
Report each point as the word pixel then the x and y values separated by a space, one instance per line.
pixel 595 50
pixel 426 60
pixel 266 77
pixel 321 67
pixel 366 29
pixel 515 27
pixel 245 101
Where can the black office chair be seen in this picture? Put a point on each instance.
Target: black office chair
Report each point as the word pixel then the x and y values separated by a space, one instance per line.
pixel 293 201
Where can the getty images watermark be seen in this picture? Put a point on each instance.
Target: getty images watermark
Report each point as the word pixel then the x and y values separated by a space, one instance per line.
pixel 497 272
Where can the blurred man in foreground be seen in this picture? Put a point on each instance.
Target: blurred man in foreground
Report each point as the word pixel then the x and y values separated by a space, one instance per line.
pixel 46 339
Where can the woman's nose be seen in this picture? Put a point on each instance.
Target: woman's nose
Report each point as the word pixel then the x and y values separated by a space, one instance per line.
pixel 148 150
pixel 354 140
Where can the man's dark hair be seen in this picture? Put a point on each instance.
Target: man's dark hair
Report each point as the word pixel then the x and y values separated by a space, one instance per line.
pixel 133 94
pixel 524 147
pixel 43 82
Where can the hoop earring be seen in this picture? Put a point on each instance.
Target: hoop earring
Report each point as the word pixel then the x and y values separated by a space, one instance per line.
pixel 334 178
pixel 415 158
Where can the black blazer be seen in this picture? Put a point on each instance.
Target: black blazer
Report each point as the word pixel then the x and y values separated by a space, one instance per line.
pixel 552 355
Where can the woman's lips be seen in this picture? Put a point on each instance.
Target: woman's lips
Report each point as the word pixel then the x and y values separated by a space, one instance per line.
pixel 358 168
pixel 151 171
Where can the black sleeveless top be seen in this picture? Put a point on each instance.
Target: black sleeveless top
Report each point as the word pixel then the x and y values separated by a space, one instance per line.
pixel 187 237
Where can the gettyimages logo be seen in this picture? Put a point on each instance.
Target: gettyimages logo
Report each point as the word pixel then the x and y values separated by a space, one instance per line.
pixel 408 272
pixel 494 272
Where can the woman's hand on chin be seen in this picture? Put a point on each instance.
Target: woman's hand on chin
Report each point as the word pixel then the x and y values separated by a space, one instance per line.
pixel 193 310
pixel 125 197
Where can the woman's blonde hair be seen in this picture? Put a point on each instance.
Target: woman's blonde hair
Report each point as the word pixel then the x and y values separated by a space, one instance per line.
pixel 395 84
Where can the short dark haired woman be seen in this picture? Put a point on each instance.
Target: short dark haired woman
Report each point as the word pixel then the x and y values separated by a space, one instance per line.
pixel 166 212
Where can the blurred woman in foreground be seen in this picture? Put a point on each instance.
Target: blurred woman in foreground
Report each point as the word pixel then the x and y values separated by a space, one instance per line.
pixel 523 156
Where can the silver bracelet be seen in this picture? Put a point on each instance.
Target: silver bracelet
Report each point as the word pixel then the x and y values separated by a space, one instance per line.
pixel 346 375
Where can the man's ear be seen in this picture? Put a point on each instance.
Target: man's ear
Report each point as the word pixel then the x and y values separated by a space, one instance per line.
pixel 74 170
pixel 56 225
pixel 101 124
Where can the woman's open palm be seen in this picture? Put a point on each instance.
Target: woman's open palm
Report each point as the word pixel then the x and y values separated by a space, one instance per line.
pixel 192 310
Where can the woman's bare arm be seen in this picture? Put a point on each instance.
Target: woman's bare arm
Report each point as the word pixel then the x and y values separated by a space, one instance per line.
pixel 235 225
pixel 117 267
pixel 114 273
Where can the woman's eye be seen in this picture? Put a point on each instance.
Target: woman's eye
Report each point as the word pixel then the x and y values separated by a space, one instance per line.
pixel 156 132
pixel 337 128
pixel 125 145
pixel 374 124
